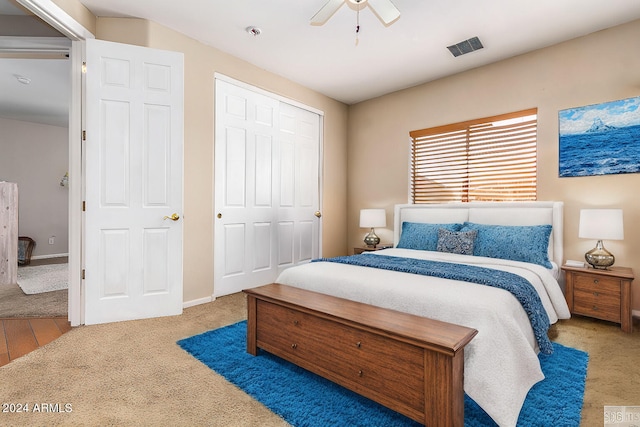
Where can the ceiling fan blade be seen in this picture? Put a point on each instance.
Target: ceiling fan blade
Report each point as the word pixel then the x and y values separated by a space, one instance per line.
pixel 386 11
pixel 326 12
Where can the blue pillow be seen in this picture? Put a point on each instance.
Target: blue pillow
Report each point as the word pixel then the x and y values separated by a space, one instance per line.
pixel 456 242
pixel 423 236
pixel 528 243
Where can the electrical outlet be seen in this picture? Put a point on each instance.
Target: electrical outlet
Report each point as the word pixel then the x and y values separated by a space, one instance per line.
pixel 52 240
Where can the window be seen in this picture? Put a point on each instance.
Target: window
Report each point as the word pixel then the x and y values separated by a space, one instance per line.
pixel 490 159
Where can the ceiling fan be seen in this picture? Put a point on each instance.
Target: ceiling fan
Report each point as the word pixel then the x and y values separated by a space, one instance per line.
pixel 384 9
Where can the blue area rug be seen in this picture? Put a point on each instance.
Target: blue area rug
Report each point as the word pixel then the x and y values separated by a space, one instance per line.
pixel 304 399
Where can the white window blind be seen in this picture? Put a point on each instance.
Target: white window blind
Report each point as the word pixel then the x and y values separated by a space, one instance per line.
pixel 489 159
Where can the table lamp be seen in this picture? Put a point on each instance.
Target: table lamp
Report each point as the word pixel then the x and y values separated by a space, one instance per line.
pixel 371 218
pixel 600 224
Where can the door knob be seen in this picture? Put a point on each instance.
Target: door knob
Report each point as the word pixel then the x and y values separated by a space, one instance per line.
pixel 318 214
pixel 173 217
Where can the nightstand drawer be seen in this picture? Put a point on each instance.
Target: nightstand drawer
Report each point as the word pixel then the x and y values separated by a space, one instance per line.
pixel 602 285
pixel 596 304
pixel 603 294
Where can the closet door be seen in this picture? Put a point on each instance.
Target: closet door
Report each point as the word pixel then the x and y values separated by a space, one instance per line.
pixel 266 154
pixel 298 214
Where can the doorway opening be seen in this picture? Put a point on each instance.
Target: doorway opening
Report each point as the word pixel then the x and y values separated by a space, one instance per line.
pixel 34 116
pixel 72 32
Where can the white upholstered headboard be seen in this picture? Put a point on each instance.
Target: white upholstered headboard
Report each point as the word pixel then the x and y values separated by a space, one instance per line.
pixel 494 213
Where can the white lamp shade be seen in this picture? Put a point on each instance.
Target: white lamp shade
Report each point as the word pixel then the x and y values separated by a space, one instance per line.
pixel 601 224
pixel 373 218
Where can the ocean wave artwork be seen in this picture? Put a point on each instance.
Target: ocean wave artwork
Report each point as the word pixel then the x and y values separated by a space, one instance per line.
pixel 600 139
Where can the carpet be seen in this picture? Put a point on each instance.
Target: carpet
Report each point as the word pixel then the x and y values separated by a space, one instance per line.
pixel 15 303
pixel 43 278
pixel 304 399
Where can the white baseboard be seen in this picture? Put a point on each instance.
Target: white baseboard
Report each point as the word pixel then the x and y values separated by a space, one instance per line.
pixel 49 256
pixel 198 301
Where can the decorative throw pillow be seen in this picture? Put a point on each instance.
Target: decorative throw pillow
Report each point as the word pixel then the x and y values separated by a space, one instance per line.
pixel 527 243
pixel 423 236
pixel 456 242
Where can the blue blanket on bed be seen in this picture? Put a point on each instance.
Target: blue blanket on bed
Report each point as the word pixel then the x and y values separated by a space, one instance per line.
pixel 520 287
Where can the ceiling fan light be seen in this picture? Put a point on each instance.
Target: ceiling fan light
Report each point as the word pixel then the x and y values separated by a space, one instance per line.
pixel 385 10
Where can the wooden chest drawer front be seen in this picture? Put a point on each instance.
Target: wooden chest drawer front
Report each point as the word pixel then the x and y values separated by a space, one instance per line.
pixel 373 365
pixel 379 364
pixel 370 363
pixel 603 285
pixel 596 304
pixel 303 336
pixel 278 326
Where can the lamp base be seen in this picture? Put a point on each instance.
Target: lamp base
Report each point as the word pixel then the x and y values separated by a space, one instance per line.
pixel 599 257
pixel 371 239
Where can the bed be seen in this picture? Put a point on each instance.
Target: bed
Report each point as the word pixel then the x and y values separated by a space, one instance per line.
pixel 501 362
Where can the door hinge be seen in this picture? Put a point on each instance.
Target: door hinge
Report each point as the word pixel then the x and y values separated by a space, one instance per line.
pixel 84 67
pixel 83 274
pixel 84 206
pixel 84 135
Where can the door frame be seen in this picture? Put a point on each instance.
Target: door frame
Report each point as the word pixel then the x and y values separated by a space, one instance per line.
pixel 53 15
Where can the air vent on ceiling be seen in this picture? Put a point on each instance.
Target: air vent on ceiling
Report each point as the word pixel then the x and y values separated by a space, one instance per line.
pixel 466 46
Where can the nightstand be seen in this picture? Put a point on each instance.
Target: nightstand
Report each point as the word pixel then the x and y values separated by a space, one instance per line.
pixel 602 294
pixel 361 249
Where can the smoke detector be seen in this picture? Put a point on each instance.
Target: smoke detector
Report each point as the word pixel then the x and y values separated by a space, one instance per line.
pixel 254 31
pixel 24 80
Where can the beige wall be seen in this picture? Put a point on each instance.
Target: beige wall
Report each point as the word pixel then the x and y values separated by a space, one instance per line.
pixel 36 157
pixel 201 62
pixel 596 68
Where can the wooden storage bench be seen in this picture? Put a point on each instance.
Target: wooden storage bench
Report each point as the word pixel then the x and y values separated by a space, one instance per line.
pixel 408 363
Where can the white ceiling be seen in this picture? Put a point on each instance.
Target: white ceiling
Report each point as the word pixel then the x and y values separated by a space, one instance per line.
pixel 45 99
pixel 411 51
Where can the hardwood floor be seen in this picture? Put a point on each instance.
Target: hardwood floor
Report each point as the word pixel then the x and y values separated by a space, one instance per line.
pixel 20 336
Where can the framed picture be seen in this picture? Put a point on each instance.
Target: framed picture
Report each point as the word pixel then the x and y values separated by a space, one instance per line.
pixel 600 139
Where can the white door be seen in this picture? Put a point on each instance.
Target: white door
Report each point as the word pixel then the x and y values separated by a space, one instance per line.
pixel 266 188
pixel 133 156
pixel 298 196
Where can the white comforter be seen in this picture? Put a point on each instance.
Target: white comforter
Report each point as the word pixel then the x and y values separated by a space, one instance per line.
pixel 501 362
